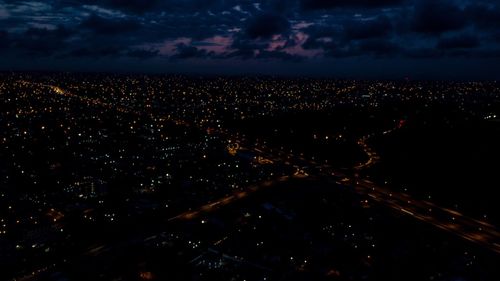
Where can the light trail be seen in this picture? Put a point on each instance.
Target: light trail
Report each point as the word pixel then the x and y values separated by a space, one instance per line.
pixel 213 206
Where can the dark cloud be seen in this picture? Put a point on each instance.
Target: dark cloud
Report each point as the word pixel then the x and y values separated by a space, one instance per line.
pixel 278 55
pixel 362 29
pixel 422 53
pixel 128 6
pixel 379 47
pixel 488 53
pixel 105 26
pixel 321 36
pixel 41 41
pixel 131 5
pixel 438 16
pixel 142 54
pixel 97 52
pixel 371 47
pixel 81 52
pixel 184 51
pixel 357 37
pixel 111 51
pixel 4 39
pixel 279 6
pixel 319 43
pixel 267 25
pixel 159 6
pixel 245 48
pixel 328 4
pixel 484 16
pixel 459 42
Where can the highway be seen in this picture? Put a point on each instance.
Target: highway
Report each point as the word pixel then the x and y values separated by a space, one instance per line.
pixel 372 155
pixel 456 223
pixel 217 204
pixel 470 229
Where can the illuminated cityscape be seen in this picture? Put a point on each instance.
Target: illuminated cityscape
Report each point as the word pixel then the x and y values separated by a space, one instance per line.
pixel 148 177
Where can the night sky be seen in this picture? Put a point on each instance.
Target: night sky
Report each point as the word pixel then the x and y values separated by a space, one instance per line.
pixel 429 39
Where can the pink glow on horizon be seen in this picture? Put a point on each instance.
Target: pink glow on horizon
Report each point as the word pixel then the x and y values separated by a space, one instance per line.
pixel 168 47
pixel 299 39
pixel 277 42
pixel 219 44
pixel 302 25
